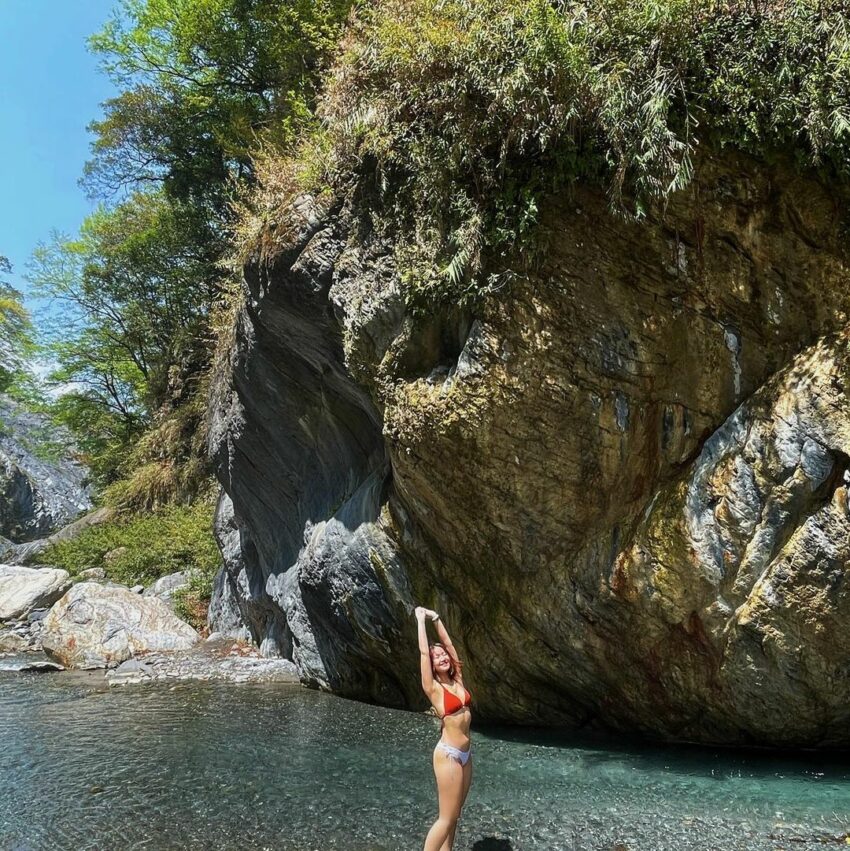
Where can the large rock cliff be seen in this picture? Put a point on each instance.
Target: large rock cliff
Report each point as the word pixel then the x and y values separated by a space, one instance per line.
pixel 623 482
pixel 42 484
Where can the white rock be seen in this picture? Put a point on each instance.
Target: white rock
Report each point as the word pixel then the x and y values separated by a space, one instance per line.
pixel 96 625
pixel 23 589
pixel 165 586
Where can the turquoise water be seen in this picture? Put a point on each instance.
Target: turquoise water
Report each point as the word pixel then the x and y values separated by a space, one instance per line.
pixel 216 766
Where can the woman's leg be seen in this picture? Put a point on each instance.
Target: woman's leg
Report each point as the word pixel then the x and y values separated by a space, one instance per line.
pixel 449 776
pixel 448 845
pixel 450 839
pixel 467 779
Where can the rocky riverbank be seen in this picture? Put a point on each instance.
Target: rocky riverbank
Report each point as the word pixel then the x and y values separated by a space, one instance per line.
pixel 50 623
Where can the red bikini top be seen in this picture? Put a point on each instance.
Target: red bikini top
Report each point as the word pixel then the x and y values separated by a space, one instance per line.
pixel 451 702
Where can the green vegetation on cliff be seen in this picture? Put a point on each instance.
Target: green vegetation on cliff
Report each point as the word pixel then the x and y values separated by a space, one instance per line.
pixel 141 548
pixel 464 114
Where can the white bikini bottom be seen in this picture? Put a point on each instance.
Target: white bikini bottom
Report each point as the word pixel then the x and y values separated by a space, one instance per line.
pixel 455 753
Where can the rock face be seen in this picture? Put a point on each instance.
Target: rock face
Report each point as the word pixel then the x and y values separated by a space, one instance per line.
pixel 23 589
pixel 623 482
pixel 96 625
pixel 41 487
pixel 30 551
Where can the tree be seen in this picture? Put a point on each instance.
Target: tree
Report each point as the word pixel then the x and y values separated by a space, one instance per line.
pixel 16 343
pixel 134 290
pixel 203 81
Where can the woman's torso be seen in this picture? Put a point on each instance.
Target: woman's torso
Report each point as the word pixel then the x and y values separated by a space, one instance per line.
pixel 457 719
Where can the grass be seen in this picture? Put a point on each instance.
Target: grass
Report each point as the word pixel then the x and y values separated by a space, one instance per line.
pixel 138 549
pixel 449 121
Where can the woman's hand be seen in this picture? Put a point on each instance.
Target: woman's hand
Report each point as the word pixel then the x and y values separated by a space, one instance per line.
pixel 421 613
pixel 431 614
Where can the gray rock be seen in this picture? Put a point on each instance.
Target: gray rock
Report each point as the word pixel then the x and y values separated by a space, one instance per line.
pixel 37 496
pixel 97 625
pixel 12 642
pixel 23 589
pixel 92 574
pixel 218 659
pixel 29 662
pixel 165 586
pixel 236 608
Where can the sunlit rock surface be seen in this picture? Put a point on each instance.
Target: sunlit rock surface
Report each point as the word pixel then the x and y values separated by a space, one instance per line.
pixel 23 589
pixel 622 481
pixel 96 625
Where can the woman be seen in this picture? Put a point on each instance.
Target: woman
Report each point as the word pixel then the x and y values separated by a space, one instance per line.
pixel 442 682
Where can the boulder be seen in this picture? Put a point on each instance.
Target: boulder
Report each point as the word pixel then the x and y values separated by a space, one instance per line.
pixel 12 642
pixel 23 589
pixel 95 625
pixel 165 586
pixel 92 573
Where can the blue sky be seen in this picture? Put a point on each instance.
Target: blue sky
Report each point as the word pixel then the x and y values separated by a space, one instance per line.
pixel 50 89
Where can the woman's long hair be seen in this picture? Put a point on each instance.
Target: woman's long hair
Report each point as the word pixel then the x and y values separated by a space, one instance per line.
pixel 452 672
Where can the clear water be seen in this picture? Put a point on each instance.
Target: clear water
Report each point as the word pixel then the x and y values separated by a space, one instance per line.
pixel 216 766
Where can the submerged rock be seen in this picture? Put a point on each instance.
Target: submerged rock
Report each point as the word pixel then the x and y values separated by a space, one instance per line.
pixel 623 482
pixel 23 589
pixel 96 625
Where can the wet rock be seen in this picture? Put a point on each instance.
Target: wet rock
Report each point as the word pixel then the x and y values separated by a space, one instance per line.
pixel 217 658
pixel 97 625
pixel 29 662
pixel 129 672
pixel 23 589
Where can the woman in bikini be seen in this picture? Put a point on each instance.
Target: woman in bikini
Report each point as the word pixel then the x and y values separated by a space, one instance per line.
pixel 442 682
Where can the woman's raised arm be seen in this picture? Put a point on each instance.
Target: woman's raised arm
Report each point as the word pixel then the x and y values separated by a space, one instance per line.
pixel 443 633
pixel 424 653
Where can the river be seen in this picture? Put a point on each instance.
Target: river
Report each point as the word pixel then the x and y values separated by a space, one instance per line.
pixel 207 766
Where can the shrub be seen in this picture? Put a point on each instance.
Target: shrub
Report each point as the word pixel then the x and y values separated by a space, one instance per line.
pixel 144 547
pixel 453 118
